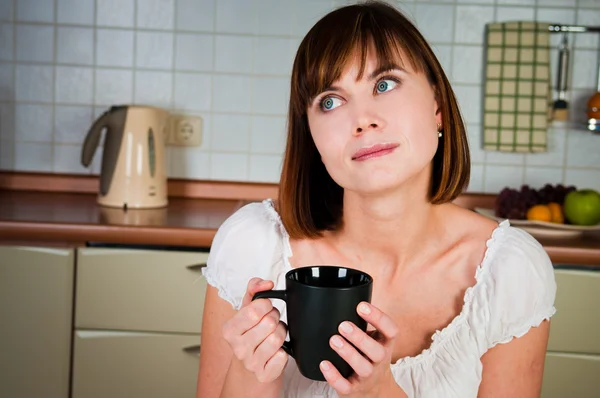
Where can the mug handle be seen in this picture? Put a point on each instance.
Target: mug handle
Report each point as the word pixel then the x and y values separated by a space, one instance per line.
pixel 281 295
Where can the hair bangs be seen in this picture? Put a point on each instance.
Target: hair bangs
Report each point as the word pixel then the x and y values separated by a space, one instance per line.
pixel 323 61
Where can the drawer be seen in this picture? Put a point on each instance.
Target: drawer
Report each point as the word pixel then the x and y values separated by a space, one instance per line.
pixel 129 364
pixel 140 290
pixel 576 325
pixel 571 376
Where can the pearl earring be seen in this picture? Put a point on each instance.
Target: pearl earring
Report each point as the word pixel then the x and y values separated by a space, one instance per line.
pixel 439 129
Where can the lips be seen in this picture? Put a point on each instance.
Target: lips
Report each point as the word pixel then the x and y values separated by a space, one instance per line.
pixel 374 151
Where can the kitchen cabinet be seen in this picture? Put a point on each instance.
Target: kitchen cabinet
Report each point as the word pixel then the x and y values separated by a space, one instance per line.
pixel 36 303
pixel 572 366
pixel 138 315
pixel 571 375
pixel 134 364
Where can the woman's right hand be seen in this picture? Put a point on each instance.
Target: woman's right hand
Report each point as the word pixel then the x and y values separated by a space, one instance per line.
pixel 256 334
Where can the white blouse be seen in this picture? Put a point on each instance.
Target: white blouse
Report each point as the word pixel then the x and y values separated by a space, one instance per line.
pixel 514 291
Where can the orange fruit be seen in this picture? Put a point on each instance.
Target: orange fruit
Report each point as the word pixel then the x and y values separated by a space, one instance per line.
pixel 556 213
pixel 539 213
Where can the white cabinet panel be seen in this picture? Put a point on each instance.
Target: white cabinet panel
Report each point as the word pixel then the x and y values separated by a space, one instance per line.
pixel 131 365
pixel 571 376
pixel 36 303
pixel 140 290
pixel 576 325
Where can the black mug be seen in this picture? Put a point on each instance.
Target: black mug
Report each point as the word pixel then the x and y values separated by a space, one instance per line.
pixel 318 299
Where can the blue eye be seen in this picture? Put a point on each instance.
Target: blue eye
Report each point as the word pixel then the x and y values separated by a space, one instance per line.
pixel 330 103
pixel 385 85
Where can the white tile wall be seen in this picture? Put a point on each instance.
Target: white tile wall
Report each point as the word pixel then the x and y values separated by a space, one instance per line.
pixel 35 10
pixel 195 15
pixel 80 12
pixel 115 13
pixel 6 41
pixel 63 62
pixel 6 10
pixel 35 43
pixel 194 52
pixel 75 46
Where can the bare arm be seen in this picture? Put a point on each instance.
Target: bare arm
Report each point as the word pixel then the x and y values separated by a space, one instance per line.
pixel 215 353
pixel 515 369
pixel 221 374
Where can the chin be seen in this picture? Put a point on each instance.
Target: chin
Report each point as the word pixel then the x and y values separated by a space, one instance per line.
pixel 377 184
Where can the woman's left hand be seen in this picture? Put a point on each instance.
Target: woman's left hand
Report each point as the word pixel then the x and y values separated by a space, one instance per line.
pixel 372 375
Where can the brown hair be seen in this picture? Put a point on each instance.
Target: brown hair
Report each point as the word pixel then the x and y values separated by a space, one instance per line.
pixel 309 200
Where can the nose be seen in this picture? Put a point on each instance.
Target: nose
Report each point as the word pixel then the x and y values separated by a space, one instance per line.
pixel 360 129
pixel 367 121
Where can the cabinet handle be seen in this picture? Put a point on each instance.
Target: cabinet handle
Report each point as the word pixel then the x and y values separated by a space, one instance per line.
pixel 196 267
pixel 193 349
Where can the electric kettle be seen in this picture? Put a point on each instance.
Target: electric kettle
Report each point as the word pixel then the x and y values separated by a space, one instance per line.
pixel 133 171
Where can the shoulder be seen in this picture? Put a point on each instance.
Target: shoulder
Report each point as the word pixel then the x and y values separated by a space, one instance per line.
pixel 521 284
pixel 248 244
pixel 247 229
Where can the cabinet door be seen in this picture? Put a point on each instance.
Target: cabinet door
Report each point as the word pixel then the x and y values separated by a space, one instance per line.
pixel 571 375
pixel 158 291
pixel 132 365
pixel 576 325
pixel 36 293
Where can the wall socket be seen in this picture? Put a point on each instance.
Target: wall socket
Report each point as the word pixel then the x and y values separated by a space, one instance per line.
pixel 185 131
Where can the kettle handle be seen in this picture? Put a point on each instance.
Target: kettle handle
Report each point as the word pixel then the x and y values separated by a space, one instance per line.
pixel 93 139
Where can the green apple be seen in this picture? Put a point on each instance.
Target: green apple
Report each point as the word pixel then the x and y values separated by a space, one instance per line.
pixel 582 207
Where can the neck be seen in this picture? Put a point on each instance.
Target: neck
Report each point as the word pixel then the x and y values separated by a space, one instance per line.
pixel 386 229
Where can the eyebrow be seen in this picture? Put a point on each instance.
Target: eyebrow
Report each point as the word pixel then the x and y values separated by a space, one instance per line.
pixel 372 75
pixel 385 68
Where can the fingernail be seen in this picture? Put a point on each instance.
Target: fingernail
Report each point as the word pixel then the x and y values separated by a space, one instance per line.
pixel 337 341
pixel 346 327
pixel 364 309
pixel 325 365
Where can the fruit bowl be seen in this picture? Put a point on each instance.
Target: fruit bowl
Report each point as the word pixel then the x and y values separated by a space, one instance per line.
pixel 542 228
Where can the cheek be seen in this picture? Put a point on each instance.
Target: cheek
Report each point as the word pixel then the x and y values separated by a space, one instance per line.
pixel 329 133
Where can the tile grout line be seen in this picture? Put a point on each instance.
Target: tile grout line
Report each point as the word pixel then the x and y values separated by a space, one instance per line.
pixel 252 91
pixel 13 108
pixel 568 131
pixel 525 162
pixel 135 54
pixel 92 170
pixel 169 149
pixel 212 88
pixel 54 88
pixel 485 163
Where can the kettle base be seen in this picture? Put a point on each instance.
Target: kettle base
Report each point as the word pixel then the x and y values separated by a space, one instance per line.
pixel 132 205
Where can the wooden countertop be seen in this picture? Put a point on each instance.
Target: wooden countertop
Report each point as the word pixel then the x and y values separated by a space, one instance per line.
pixel 75 218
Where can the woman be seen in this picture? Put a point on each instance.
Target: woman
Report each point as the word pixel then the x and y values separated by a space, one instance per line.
pixel 376 153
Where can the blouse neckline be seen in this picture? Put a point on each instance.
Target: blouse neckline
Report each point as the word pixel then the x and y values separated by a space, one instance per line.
pixel 439 337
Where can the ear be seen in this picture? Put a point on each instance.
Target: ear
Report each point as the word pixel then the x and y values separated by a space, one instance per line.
pixel 436 107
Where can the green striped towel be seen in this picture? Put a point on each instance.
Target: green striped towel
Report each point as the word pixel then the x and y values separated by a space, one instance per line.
pixel 517 93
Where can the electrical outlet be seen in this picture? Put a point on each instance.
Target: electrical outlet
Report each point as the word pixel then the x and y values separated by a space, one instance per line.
pixel 185 131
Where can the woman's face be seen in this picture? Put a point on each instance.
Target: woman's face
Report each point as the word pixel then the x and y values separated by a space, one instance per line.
pixel 376 133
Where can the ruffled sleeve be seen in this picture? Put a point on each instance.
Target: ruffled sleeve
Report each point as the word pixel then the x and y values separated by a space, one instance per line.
pixel 522 287
pixel 247 245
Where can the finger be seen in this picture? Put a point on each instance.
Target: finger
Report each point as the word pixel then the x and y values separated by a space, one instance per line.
pixel 361 365
pixel 246 318
pixel 381 321
pixel 335 379
pixel 274 367
pixel 361 340
pixel 257 334
pixel 268 347
pixel 256 285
